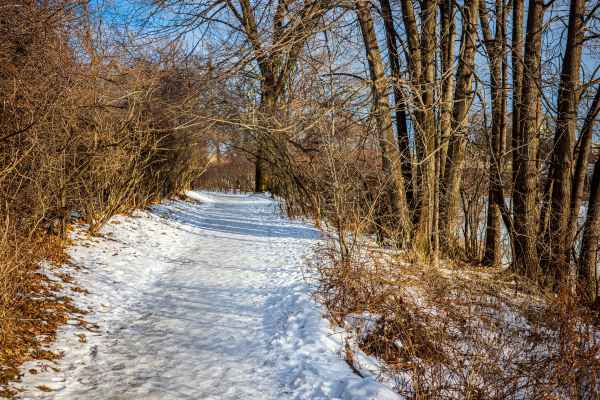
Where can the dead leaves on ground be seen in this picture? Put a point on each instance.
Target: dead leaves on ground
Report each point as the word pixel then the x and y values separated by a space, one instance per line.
pixel 31 315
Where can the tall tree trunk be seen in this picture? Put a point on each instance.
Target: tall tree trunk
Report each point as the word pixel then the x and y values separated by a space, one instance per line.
pixel 425 132
pixel 460 117
pixel 421 68
pixel 447 34
pixel 415 62
pixel 448 31
pixel 590 242
pixel 494 49
pixel 525 150
pixel 425 129
pixel 401 124
pixel 391 162
pixel 562 154
pixel 517 75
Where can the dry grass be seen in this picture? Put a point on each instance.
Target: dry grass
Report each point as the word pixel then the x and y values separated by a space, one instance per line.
pixel 458 334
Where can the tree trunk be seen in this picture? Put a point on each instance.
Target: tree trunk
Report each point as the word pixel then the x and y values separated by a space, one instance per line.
pixel 517 75
pixel 447 34
pixel 421 68
pixel 525 150
pixel 261 180
pixel 401 124
pixel 448 31
pixel 63 214
pixel 460 117
pixel 494 47
pixel 590 242
pixel 581 168
pixel 415 69
pixel 391 162
pixel 562 155
pixel 425 130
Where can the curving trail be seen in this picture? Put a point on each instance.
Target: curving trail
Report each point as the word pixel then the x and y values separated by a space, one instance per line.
pixel 198 302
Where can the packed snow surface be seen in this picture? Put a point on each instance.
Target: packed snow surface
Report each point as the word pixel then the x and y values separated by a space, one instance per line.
pixel 198 301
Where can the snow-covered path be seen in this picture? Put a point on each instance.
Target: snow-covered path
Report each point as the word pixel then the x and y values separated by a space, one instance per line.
pixel 205 304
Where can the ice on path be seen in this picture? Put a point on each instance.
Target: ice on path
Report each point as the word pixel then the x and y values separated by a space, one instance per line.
pixel 205 304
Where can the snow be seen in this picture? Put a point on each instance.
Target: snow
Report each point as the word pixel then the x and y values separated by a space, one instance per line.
pixel 198 302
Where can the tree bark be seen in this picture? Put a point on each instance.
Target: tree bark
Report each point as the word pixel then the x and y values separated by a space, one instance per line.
pixel 525 148
pixel 460 114
pixel 560 238
pixel 415 69
pixel 517 77
pixel 494 48
pixel 425 130
pixel 421 49
pixel 448 31
pixel 401 124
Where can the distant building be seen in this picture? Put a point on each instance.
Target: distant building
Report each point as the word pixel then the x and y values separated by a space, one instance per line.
pixel 595 149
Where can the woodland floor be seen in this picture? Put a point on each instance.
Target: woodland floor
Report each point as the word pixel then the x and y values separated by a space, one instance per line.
pixel 196 301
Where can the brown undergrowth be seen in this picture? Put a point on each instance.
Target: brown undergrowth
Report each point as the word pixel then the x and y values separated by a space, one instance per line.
pixel 32 306
pixel 441 333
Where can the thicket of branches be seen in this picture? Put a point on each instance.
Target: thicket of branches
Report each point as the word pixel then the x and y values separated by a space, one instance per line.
pixel 87 130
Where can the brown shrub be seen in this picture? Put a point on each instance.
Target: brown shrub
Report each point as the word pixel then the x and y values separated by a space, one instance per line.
pixel 82 137
pixel 457 334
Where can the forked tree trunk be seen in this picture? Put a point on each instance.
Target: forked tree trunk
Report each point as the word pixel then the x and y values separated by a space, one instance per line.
pixel 276 60
pixel 391 162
